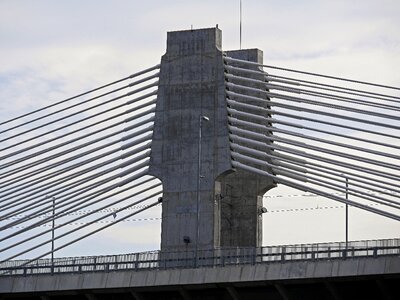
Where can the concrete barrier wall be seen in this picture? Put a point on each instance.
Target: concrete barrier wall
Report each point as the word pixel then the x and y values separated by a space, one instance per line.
pixel 354 267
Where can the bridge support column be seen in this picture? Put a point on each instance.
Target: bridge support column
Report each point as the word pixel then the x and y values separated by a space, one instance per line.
pixel 191 94
pixel 241 192
pixel 191 85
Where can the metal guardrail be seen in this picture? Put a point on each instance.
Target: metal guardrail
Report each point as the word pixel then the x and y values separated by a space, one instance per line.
pixel 205 258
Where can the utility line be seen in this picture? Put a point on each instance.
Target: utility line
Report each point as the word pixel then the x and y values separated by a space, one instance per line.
pixel 289 210
pixel 99 222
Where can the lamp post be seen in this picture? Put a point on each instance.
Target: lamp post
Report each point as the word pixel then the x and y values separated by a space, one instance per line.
pixel 201 118
pixel 347 214
pixel 52 233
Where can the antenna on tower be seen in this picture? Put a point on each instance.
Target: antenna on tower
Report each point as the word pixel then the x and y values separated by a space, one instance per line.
pixel 240 26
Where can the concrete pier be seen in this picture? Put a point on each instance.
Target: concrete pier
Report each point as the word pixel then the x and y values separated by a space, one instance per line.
pixel 206 204
pixel 191 85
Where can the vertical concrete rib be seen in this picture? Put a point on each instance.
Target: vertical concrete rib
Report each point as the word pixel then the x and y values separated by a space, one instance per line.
pixel 241 192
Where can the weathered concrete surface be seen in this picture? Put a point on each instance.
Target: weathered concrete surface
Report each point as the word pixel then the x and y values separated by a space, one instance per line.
pixel 301 270
pixel 192 84
pixel 241 192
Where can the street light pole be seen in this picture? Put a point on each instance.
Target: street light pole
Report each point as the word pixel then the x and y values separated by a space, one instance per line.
pixel 347 213
pixel 52 233
pixel 201 118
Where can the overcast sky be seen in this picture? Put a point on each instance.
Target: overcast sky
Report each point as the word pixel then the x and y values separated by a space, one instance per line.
pixel 50 50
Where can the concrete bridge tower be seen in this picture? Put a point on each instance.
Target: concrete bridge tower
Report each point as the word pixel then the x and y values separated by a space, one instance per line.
pixel 206 203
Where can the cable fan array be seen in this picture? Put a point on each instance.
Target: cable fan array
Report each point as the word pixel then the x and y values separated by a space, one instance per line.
pixel 324 137
pixel 64 163
pixel 89 152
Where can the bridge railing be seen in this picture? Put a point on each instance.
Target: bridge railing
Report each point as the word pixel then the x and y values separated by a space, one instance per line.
pixel 205 258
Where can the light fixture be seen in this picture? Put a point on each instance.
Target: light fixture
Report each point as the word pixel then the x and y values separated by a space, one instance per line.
pixel 199 177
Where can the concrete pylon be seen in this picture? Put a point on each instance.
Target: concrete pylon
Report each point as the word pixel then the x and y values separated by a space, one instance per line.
pixel 241 192
pixel 192 86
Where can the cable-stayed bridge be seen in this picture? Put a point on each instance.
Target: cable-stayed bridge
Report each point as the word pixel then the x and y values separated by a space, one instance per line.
pixel 205 134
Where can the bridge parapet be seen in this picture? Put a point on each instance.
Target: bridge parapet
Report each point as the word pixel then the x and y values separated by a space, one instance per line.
pixel 206 258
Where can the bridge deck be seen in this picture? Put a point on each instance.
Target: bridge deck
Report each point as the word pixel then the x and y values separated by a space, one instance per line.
pixel 378 275
pixel 281 272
